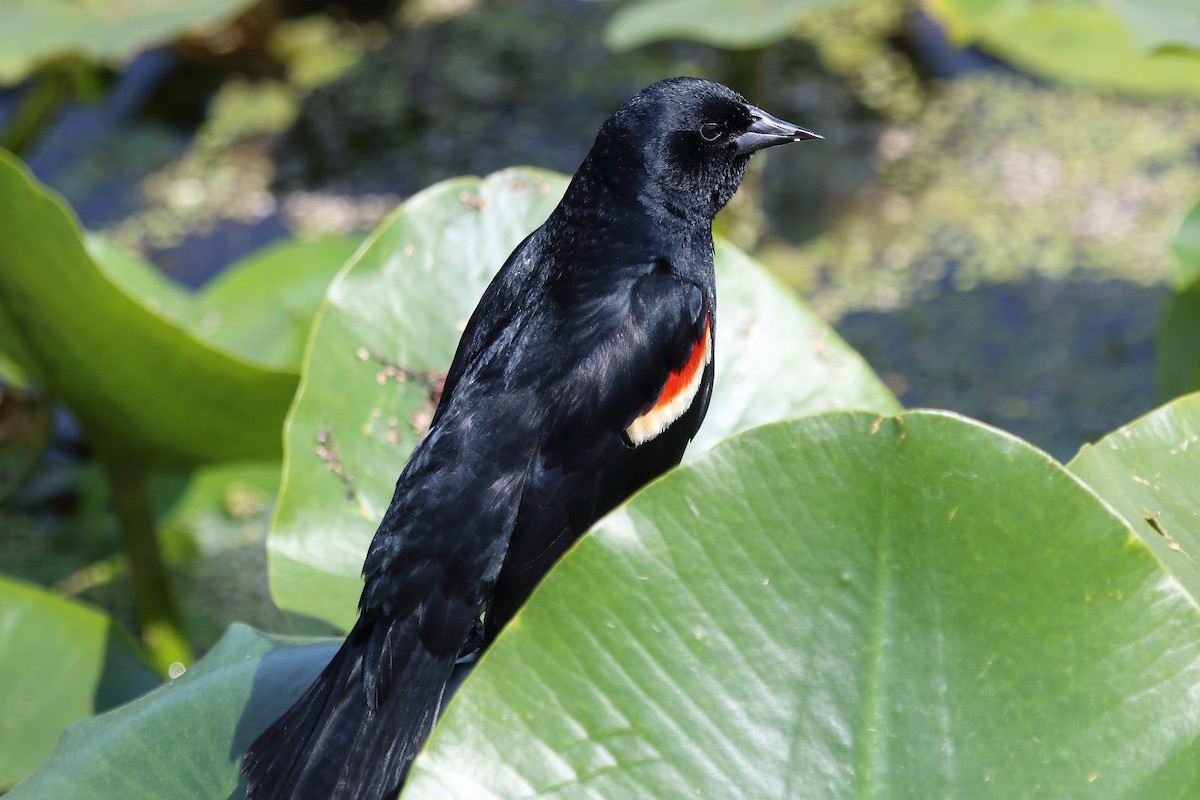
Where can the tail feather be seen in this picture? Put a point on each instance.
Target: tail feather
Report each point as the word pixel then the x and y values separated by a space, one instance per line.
pixel 336 742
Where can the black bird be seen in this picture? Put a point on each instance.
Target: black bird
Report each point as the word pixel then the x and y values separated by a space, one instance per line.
pixel 583 373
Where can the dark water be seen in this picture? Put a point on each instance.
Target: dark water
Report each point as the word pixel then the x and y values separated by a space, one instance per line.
pixel 1059 363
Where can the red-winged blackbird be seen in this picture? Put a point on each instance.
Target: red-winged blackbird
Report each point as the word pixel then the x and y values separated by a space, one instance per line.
pixel 583 373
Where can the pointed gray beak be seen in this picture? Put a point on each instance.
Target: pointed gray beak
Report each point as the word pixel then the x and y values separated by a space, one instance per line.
pixel 769 131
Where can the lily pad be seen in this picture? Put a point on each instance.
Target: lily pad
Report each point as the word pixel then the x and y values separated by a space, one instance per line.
pixel 843 605
pixel 840 605
pixel 1179 344
pixel 263 305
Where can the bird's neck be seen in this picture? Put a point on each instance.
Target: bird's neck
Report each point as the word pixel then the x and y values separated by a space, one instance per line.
pixel 616 194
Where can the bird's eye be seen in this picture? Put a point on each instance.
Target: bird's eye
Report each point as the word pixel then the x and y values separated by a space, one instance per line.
pixel 710 131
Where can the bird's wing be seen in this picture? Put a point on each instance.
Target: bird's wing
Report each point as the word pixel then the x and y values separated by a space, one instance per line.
pixel 635 365
pixel 635 372
pixel 495 315
pixel 540 405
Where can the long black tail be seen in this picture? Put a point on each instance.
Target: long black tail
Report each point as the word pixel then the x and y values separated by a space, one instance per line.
pixel 343 740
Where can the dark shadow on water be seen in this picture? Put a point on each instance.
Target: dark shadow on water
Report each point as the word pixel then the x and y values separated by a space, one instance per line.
pixel 1056 362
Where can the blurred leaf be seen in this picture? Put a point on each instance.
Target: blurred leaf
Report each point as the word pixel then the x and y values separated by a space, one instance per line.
pixel 143 281
pixel 1179 336
pixel 966 20
pixel 1178 365
pixel 11 373
pixel 1070 42
pixel 33 32
pixel 1148 471
pixel 141 385
pixel 315 49
pixel 736 25
pixel 185 739
pixel 263 305
pixel 1186 247
pixel 260 308
pixel 391 326
pixel 241 109
pixel 841 606
pixel 1160 23
pixel 62 661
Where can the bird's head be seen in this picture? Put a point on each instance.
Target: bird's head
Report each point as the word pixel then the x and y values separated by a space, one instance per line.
pixel 692 140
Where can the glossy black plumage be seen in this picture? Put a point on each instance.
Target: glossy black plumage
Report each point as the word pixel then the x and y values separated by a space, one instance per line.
pixel 581 333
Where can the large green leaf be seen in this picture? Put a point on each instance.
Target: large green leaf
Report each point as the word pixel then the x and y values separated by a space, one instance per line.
pixel 35 31
pixel 390 328
pixel 141 385
pixel 62 661
pixel 1149 470
pixel 736 25
pixel 841 606
pixel 186 738
pixel 1081 43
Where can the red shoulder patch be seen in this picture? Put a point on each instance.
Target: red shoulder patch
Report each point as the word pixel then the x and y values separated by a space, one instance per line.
pixel 677 393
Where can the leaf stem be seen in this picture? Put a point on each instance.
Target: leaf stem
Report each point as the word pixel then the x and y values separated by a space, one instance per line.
pixel 158 614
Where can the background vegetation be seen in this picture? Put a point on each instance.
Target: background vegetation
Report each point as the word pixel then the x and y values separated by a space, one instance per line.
pixel 218 343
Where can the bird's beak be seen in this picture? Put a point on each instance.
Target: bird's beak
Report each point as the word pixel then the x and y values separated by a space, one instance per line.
pixel 769 131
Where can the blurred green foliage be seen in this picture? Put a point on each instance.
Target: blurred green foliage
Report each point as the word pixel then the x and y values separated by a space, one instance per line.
pixel 1104 45
pixel 1179 341
pixel 35 32
pixel 720 23
pixel 103 340
pixel 1160 24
